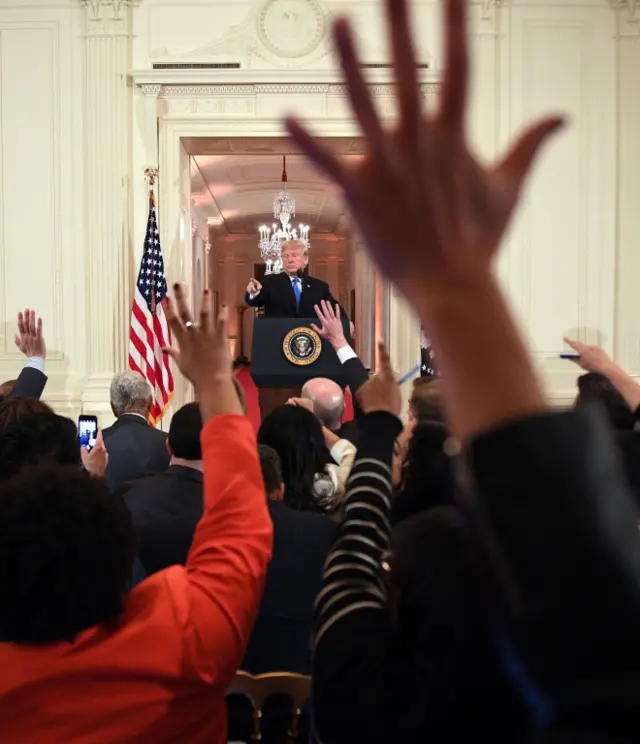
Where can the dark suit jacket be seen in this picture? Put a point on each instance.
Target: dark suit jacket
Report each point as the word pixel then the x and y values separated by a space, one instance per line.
pixel 280 639
pixel 166 509
pixel 30 384
pixel 135 449
pixel 279 300
pixel 356 375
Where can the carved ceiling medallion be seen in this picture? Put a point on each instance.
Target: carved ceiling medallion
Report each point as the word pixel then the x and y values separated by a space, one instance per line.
pixel 291 28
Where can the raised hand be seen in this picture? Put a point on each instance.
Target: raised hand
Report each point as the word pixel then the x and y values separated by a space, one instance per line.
pixel 254 286
pixel 381 392
pixel 203 354
pixel 96 460
pixel 331 329
pixel 301 403
pixel 590 358
pixel 29 338
pixel 431 214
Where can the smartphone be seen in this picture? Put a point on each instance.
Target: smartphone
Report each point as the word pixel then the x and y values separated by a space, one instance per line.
pixel 571 355
pixel 87 431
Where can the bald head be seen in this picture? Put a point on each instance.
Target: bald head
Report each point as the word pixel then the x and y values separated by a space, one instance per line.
pixel 328 401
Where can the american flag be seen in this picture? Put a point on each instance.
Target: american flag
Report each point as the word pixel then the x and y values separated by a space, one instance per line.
pixel 149 331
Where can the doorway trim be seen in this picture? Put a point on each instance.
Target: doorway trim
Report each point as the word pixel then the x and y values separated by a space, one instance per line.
pixel 176 105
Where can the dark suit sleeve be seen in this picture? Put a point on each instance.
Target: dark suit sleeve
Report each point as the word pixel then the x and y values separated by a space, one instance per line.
pixel 30 384
pixel 355 375
pixel 261 299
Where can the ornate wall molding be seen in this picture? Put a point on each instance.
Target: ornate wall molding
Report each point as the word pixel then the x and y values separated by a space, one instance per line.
pixel 279 35
pixel 631 6
pixel 291 28
pixel 488 8
pixel 209 91
pixel 183 101
pixel 97 9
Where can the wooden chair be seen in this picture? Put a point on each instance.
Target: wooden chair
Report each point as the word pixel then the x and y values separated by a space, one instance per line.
pixel 259 687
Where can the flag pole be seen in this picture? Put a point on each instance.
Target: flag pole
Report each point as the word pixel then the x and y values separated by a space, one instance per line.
pixel 151 174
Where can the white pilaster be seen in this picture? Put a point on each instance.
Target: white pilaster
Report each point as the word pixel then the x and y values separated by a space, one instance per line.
pixel 404 341
pixel 627 330
pixel 107 187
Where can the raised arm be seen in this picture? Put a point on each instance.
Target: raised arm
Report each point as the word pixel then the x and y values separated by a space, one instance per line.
pixel 30 340
pixel 231 548
pixel 437 241
pixel 595 359
pixel 352 618
pixel 331 330
pixel 257 294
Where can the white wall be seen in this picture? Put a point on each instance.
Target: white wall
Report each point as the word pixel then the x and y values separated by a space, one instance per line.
pixel 76 135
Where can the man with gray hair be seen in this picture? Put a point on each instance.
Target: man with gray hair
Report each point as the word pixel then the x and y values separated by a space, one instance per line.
pixel 135 447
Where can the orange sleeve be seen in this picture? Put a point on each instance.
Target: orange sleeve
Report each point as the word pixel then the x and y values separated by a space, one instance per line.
pixel 231 549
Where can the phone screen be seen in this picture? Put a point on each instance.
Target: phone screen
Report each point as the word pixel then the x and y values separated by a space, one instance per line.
pixel 87 431
pixel 570 355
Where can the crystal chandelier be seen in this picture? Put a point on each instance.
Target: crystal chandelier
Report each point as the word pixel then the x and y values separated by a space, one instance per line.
pixel 272 238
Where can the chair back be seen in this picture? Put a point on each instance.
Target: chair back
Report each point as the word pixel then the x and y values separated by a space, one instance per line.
pixel 259 687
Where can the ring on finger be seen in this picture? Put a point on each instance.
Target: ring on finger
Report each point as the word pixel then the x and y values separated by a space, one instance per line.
pixel 189 324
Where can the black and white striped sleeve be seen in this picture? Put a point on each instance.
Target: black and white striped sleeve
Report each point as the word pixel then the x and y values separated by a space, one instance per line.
pixel 351 609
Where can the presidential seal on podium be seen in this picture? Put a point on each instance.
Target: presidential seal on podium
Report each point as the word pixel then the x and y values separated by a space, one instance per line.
pixel 302 346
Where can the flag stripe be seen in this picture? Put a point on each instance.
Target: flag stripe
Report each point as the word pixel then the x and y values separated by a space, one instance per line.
pixel 149 332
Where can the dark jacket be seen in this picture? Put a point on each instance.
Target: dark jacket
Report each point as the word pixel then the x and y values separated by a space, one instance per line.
pixel 280 639
pixel 564 532
pixel 279 301
pixel 135 449
pixel 355 376
pixel 30 384
pixel 281 636
pixel 550 503
pixel 166 509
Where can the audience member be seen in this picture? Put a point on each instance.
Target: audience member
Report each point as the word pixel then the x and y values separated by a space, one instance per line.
pixel 6 388
pixel 619 394
pixel 31 433
pixel 271 473
pixel 427 476
pixel 315 463
pixel 594 359
pixel 327 401
pixel 14 409
pixel 135 447
pixel 301 541
pixel 31 342
pixel 280 639
pixel 431 670
pixel 332 331
pixel 86 659
pixel 557 526
pixel 594 387
pixel 425 403
pixel 167 507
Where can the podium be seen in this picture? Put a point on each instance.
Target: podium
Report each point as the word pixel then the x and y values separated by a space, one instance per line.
pixel 285 354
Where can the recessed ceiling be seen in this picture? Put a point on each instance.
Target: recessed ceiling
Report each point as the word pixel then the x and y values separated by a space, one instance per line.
pixel 236 181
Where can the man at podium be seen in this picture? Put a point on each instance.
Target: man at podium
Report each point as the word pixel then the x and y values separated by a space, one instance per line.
pixel 290 294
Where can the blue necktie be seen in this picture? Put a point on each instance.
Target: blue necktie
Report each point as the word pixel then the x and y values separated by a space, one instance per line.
pixel 297 290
